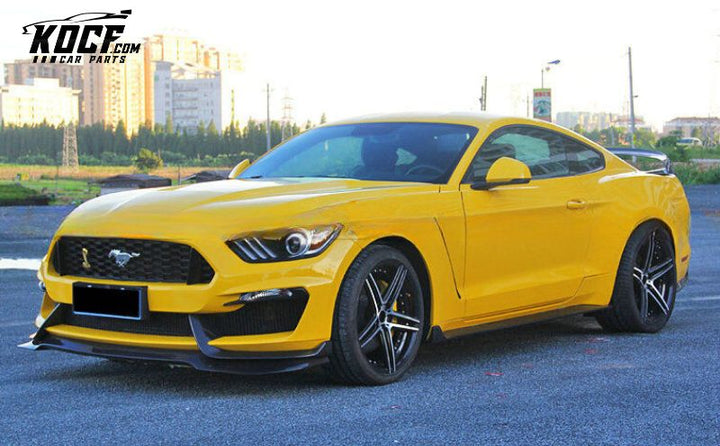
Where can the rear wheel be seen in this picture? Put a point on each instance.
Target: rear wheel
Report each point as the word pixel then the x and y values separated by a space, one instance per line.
pixel 379 318
pixel 646 283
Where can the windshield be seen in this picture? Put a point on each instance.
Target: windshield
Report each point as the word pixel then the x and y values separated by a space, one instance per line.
pixel 398 151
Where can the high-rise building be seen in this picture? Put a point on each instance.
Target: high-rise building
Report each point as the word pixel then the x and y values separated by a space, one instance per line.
pixel 115 92
pixel 20 72
pixel 192 95
pixel 221 60
pixel 180 50
pixel 39 100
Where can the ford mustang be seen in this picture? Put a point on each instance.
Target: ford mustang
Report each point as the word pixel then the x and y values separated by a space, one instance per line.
pixel 353 243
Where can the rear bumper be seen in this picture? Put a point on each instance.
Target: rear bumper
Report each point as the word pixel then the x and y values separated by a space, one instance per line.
pixel 206 357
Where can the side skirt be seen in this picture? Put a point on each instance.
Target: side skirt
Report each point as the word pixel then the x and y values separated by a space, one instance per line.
pixel 438 335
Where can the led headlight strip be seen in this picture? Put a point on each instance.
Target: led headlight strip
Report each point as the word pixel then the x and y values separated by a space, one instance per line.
pixel 285 244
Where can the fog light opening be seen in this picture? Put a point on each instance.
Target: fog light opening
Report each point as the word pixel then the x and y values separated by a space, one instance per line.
pixel 41 285
pixel 268 295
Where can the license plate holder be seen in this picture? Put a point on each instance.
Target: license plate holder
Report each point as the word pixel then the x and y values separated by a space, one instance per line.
pixel 111 301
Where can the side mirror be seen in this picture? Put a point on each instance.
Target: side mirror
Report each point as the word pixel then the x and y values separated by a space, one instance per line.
pixel 238 169
pixel 504 171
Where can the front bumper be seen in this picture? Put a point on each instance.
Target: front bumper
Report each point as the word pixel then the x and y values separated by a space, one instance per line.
pixel 206 357
pixel 320 277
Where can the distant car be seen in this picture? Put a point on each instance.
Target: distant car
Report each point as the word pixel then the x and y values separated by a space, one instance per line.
pixel 352 243
pixel 689 142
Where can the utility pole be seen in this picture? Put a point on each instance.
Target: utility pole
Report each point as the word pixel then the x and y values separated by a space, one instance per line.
pixel 632 101
pixel 546 68
pixel 483 97
pixel 267 118
pixel 527 105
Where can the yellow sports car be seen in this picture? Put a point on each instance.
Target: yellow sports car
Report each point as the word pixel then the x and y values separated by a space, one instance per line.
pixel 352 243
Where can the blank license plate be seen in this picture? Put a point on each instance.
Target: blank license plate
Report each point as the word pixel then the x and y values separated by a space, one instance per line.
pixel 91 299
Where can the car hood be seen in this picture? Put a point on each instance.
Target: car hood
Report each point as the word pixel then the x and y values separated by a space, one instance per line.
pixel 255 204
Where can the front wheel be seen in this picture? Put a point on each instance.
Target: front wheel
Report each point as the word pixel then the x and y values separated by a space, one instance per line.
pixel 379 318
pixel 646 283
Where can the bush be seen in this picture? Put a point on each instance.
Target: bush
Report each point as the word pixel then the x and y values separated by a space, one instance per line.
pixel 147 160
pixel 115 159
pixel 222 160
pixel 35 160
pixel 88 160
pixel 669 142
pixel 174 158
pixel 678 155
pixel 692 173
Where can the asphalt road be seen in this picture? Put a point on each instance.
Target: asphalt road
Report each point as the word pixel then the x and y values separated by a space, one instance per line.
pixel 563 382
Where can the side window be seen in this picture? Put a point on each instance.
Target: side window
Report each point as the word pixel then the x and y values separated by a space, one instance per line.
pixel 582 159
pixel 546 153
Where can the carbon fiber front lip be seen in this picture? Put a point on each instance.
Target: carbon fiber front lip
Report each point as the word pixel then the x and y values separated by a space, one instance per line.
pixel 208 358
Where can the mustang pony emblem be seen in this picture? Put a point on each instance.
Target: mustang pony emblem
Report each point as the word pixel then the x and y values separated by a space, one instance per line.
pixel 122 258
pixel 85 263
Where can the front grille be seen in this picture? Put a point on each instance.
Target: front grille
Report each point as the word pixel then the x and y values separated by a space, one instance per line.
pixel 157 261
pixel 157 323
pixel 257 318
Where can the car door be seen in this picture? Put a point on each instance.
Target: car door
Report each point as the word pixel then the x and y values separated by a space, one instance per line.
pixel 526 245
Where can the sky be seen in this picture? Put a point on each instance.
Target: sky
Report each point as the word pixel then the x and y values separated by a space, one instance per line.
pixel 348 58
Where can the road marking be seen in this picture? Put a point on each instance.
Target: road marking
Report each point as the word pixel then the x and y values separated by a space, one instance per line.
pixel 31 264
pixel 702 299
pixel 15 324
pixel 695 308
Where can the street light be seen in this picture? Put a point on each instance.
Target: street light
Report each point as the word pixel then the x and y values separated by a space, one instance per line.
pixel 546 68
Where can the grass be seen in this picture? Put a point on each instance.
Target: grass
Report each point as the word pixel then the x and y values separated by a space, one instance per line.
pixel 12 194
pixel 62 191
pixel 67 187
pixel 700 152
pixel 686 153
pixel 10 171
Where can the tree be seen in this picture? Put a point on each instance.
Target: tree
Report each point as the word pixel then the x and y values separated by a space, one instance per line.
pixel 645 138
pixel 323 119
pixel 168 124
pixel 147 160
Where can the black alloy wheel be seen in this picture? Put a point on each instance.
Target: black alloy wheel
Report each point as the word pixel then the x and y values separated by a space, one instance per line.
pixel 379 318
pixel 646 283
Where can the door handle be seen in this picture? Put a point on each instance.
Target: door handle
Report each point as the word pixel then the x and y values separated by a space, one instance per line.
pixel 576 204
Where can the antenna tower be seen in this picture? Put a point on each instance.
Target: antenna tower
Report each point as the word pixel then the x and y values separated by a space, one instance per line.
pixel 70 151
pixel 287 117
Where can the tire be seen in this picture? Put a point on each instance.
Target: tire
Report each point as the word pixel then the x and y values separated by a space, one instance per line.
pixel 379 319
pixel 645 285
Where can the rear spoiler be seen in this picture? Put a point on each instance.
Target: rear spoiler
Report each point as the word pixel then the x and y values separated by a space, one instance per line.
pixel 650 161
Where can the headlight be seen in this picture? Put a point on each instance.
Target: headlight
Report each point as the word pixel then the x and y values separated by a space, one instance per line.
pixel 284 244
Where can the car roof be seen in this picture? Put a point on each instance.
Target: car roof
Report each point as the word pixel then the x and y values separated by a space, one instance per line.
pixel 481 120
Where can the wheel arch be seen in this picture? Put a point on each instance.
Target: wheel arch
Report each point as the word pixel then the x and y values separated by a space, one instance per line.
pixel 662 223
